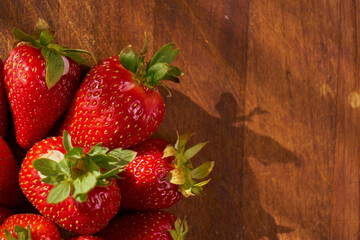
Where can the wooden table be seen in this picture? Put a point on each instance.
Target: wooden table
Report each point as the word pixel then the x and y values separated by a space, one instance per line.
pixel 272 84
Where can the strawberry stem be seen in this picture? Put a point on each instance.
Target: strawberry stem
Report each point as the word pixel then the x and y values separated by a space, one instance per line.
pixel 151 74
pixel 78 172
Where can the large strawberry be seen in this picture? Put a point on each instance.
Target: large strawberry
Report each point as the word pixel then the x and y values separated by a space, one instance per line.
pixel 28 227
pixel 118 103
pixel 146 226
pixel 10 193
pixel 40 79
pixel 3 104
pixel 161 174
pixel 72 186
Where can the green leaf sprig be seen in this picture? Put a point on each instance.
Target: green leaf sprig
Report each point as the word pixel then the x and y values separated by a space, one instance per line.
pixel 181 229
pixel 151 74
pixel 78 172
pixel 184 174
pixel 52 52
pixel 22 233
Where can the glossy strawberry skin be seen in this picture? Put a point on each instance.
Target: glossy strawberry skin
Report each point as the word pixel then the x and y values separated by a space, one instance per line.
pixel 144 185
pixel 34 107
pixel 41 227
pixel 10 193
pixel 140 225
pixel 110 107
pixel 87 237
pixel 82 218
pixel 3 104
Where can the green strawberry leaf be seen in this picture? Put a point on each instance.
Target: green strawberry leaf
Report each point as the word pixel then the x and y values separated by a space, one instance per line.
pixel 67 141
pixel 129 59
pixel 22 233
pixel 84 183
pixel 157 72
pixel 21 36
pixel 54 180
pixel 169 151
pixel 81 197
pixel 8 235
pixel 166 54
pixel 74 56
pixel 98 150
pixel 74 153
pixel 93 167
pixel 181 142
pixel 111 173
pixel 40 26
pixel 124 156
pixel 200 184
pixel 65 166
pixel 189 153
pixel 46 37
pixel 59 193
pixel 46 166
pixel 203 170
pixel 54 66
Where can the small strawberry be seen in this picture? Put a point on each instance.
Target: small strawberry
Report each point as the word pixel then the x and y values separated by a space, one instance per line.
pixel 3 104
pixel 40 80
pixel 72 187
pixel 86 237
pixel 10 193
pixel 146 226
pixel 28 227
pixel 4 214
pixel 161 174
pixel 118 103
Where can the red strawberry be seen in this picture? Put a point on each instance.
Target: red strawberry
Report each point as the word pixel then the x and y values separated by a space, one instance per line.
pixel 160 175
pixel 118 102
pixel 10 193
pixel 86 237
pixel 73 189
pixel 40 79
pixel 146 226
pixel 4 214
pixel 3 104
pixel 28 226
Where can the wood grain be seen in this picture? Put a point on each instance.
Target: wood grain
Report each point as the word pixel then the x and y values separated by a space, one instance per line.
pixel 273 85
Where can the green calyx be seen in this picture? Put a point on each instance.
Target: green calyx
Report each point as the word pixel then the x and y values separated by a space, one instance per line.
pixel 52 52
pixel 78 172
pixel 181 229
pixel 184 174
pixel 151 74
pixel 22 233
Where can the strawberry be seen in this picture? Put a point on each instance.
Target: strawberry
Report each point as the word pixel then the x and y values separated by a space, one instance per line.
pixel 161 174
pixel 86 237
pixel 146 226
pixel 10 193
pixel 28 227
pixel 4 214
pixel 40 80
pixel 3 104
pixel 72 187
pixel 118 103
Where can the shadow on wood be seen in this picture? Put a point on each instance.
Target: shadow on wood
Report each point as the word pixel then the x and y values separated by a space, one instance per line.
pixel 237 212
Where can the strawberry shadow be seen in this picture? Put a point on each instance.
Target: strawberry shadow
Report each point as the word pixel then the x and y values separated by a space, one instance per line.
pixel 231 208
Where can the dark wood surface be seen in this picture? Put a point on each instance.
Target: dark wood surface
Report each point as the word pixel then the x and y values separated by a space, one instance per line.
pixel 273 85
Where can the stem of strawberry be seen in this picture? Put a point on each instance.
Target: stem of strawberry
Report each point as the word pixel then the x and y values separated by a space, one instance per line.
pixel 184 173
pixel 78 172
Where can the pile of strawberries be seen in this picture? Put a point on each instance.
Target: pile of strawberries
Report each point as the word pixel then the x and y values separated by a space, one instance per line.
pixel 100 176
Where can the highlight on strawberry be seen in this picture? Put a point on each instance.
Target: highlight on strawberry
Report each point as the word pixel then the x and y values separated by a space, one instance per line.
pixel 162 174
pixel 40 78
pixel 118 103
pixel 73 187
